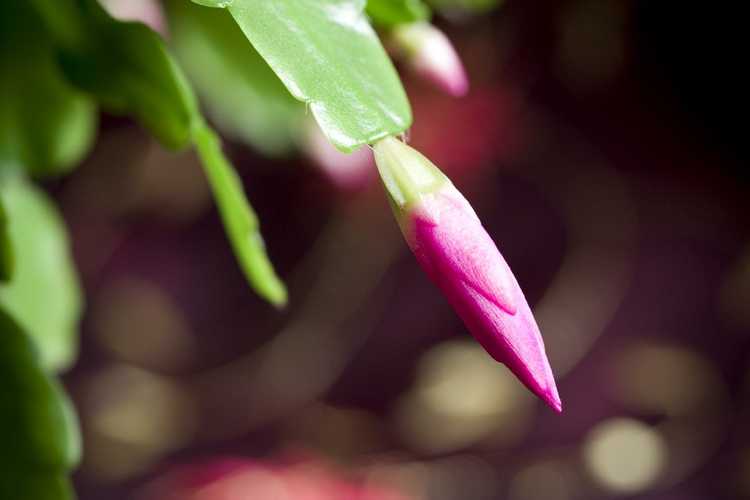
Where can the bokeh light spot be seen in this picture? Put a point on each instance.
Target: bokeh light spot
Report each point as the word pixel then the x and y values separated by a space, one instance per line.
pixel 130 419
pixel 141 324
pixel 624 455
pixel 665 379
pixel 462 396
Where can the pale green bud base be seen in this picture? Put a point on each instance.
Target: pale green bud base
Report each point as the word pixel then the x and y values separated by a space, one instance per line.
pixel 407 175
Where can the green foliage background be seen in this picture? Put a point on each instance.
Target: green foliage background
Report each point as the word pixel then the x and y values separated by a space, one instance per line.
pixel 257 66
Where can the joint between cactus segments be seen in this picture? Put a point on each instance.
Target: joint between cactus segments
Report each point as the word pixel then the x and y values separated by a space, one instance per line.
pixel 406 173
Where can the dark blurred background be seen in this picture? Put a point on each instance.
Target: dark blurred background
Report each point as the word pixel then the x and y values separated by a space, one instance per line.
pixel 603 145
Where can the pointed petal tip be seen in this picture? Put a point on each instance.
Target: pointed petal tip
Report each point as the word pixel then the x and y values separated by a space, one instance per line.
pixel 541 382
pixel 556 405
pixel 546 390
pixel 552 398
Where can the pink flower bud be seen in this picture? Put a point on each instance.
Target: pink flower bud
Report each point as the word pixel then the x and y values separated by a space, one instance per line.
pixel 149 12
pixel 347 172
pixel 431 55
pixel 458 255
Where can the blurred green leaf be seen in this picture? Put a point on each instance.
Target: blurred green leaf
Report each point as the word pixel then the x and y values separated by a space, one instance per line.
pixel 38 427
pixel 392 12
pixel 44 295
pixel 465 6
pixel 63 20
pixel 239 219
pixel 328 55
pixel 45 125
pixel 34 484
pixel 127 68
pixel 6 251
pixel 241 93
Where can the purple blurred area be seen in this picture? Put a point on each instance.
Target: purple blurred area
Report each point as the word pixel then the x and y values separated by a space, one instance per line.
pixel 602 144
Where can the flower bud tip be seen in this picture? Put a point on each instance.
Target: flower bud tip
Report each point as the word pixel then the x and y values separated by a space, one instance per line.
pixel 430 53
pixel 552 398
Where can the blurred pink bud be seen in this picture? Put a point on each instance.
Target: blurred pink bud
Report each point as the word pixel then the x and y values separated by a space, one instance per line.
pixel 254 480
pixel 348 172
pixel 493 127
pixel 149 12
pixel 431 55
pixel 458 255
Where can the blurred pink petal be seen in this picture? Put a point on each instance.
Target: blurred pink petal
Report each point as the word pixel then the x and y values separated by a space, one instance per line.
pixel 458 255
pixel 492 126
pixel 149 12
pixel 348 172
pixel 431 55
pixel 256 480
pixel 243 484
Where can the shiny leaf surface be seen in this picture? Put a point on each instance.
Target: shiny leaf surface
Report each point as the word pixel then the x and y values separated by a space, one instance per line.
pixel 328 56
pixel 241 93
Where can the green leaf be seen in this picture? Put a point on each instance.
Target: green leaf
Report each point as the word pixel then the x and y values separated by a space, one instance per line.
pixel 465 6
pixel 242 95
pixel 36 485
pixel 45 125
pixel 240 221
pixel 63 20
pixel 328 55
pixel 390 13
pixel 44 295
pixel 213 3
pixel 6 251
pixel 38 427
pixel 127 68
